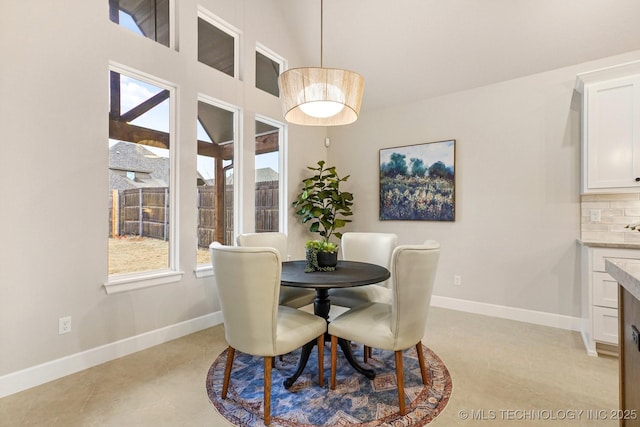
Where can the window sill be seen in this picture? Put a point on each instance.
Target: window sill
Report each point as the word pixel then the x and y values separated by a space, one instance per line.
pixel 203 270
pixel 130 282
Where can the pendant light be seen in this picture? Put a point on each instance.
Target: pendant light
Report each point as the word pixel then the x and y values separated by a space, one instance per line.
pixel 318 96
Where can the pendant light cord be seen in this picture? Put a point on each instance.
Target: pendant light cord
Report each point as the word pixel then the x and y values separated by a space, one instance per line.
pixel 321 33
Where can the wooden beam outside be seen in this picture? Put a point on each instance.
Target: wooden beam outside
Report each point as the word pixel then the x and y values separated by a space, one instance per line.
pixel 209 149
pixel 147 105
pixel 267 143
pixel 114 9
pixel 114 87
pixel 219 201
pixel 137 134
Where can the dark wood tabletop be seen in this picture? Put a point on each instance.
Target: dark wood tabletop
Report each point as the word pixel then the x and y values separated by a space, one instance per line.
pixel 347 274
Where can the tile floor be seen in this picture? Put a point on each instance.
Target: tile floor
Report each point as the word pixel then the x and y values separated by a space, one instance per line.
pixel 504 373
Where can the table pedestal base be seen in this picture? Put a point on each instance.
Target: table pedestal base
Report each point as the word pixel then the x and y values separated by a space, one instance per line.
pixel 321 307
pixel 346 350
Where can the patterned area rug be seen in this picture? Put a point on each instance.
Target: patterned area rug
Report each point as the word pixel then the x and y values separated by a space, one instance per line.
pixel 356 401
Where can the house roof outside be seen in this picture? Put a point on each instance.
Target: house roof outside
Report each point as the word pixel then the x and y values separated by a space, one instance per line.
pixel 147 169
pixel 265 174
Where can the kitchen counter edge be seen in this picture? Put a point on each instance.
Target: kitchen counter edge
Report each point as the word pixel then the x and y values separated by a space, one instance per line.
pixel 609 245
pixel 626 273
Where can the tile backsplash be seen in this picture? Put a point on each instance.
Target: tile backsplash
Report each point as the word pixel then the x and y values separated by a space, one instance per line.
pixel 604 216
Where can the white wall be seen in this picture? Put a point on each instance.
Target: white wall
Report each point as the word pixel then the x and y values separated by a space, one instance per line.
pixel 513 241
pixel 54 162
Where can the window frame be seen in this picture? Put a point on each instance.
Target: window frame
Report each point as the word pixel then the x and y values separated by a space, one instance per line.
pixel 129 281
pixel 204 270
pixel 270 54
pixel 282 170
pixel 173 30
pixel 230 30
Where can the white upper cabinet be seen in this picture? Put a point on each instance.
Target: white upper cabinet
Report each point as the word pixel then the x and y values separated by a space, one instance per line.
pixel 610 129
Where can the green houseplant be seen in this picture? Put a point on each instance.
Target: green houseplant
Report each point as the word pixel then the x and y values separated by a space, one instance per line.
pixel 323 207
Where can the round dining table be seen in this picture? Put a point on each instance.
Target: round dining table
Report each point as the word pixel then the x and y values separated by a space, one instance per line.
pixel 347 274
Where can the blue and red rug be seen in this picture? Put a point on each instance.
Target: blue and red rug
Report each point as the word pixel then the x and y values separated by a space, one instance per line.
pixel 356 401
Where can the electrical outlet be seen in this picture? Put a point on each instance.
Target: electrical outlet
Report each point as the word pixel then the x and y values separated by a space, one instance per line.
pixel 457 280
pixel 64 325
pixel 595 215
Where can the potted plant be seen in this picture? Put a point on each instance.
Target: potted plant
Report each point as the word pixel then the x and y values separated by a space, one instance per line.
pixel 321 255
pixel 323 207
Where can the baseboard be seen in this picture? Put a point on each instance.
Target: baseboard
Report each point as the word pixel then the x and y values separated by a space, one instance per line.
pixel 511 313
pixel 588 344
pixel 49 371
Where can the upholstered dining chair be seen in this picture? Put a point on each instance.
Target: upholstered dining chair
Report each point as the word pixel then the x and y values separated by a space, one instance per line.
pixel 291 297
pixel 248 281
pixel 401 324
pixel 374 248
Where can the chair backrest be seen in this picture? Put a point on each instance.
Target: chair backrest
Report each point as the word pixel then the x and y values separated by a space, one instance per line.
pixel 413 268
pixel 248 281
pixel 374 248
pixel 269 239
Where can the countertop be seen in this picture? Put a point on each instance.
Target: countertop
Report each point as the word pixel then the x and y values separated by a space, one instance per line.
pixel 609 245
pixel 626 272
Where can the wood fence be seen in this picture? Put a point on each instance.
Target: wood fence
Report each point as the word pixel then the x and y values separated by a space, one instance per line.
pixel 145 212
pixel 267 210
pixel 207 215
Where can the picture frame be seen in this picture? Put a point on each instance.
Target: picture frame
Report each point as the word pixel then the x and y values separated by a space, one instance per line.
pixel 417 182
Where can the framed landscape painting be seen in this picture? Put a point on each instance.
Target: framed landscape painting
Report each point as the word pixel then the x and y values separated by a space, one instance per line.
pixel 417 182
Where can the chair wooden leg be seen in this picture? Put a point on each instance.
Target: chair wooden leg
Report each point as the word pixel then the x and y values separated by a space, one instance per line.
pixel 400 381
pixel 227 371
pixel 334 359
pixel 268 363
pixel 423 366
pixel 366 353
pixel 321 360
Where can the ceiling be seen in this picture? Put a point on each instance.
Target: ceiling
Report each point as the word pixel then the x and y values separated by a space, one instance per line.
pixel 409 50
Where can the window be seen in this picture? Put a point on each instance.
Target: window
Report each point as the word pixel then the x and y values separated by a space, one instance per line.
pixel 149 18
pixel 217 134
pixel 268 67
pixel 269 180
pixel 144 157
pixel 141 226
pixel 217 44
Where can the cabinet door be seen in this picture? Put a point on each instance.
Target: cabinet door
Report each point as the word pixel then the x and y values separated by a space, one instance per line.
pixel 605 290
pixel 612 134
pixel 605 325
